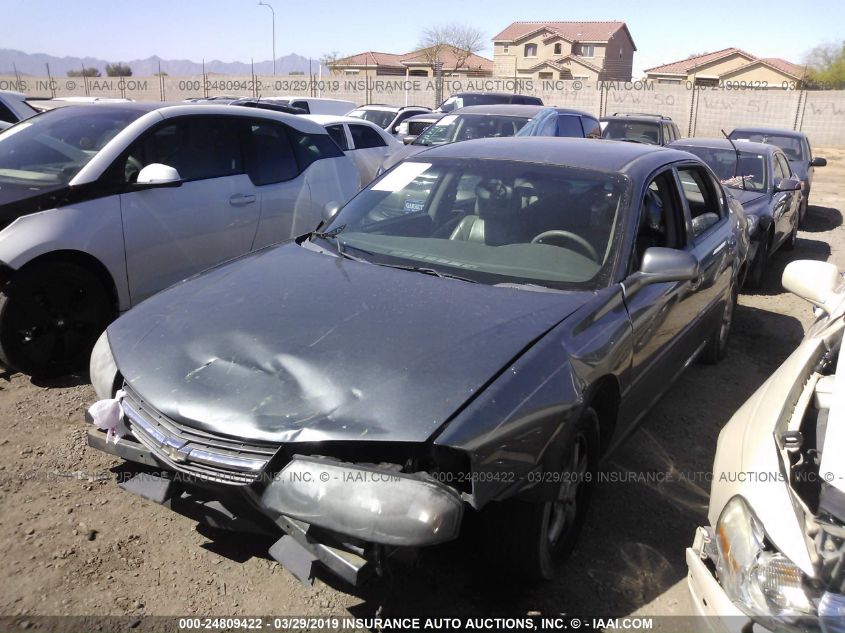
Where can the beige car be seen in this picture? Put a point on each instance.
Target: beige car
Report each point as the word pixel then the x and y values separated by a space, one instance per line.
pixel 774 553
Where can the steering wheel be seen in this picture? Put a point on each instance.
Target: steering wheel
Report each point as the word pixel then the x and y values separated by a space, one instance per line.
pixel 568 235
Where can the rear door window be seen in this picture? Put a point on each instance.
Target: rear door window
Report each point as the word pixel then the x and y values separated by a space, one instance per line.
pixel 268 154
pixel 338 135
pixel 309 148
pixel 569 125
pixel 364 137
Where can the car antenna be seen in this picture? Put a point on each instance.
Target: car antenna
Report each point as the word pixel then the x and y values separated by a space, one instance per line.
pixel 736 151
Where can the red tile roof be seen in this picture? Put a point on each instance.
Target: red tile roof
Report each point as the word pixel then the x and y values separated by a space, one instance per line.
pixel 447 56
pixel 784 66
pixel 572 31
pixel 369 58
pixel 683 66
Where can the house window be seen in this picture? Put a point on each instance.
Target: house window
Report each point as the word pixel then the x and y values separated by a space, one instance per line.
pixel 546 75
pixel 530 50
pixel 558 48
pixel 505 49
pixel 588 50
pixel 351 71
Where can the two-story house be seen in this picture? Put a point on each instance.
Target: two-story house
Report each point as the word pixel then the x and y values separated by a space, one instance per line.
pixel 589 51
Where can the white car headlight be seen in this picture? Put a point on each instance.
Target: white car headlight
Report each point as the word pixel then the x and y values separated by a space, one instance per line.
pixel 102 369
pixel 759 579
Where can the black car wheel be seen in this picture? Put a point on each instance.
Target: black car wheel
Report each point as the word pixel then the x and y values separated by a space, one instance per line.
pixel 50 317
pixel 802 212
pixel 717 346
pixel 758 267
pixel 530 539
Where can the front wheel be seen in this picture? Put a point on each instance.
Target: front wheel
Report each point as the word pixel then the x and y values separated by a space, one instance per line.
pixel 532 538
pixel 758 267
pixel 50 317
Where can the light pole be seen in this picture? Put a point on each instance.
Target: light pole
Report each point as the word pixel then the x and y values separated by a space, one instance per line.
pixel 264 4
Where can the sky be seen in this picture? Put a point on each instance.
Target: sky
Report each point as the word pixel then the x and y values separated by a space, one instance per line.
pixel 238 30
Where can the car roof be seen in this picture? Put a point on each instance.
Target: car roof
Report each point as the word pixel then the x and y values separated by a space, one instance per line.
pixel 489 94
pixel 307 98
pixel 503 109
pixel 772 131
pixel 568 111
pixel 331 119
pixel 723 143
pixel 575 152
pixel 637 116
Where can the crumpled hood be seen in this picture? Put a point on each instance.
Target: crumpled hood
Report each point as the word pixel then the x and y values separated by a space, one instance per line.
pixel 294 345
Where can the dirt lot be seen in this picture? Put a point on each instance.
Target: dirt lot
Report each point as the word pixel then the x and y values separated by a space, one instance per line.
pixel 73 543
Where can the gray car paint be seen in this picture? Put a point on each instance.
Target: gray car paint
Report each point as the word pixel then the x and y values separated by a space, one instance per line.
pixel 302 346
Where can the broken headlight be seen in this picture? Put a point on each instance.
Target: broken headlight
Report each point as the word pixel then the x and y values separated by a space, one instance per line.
pixel 369 503
pixel 760 580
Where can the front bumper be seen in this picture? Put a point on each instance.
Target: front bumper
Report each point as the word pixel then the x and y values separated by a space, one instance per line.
pixel 308 537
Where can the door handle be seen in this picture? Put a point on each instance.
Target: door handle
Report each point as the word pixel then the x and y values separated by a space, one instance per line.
pixel 242 199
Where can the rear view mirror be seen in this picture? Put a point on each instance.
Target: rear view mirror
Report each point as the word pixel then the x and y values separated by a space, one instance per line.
pixel 818 161
pixel 788 184
pixel 812 281
pixel 158 175
pixel 330 210
pixel 662 265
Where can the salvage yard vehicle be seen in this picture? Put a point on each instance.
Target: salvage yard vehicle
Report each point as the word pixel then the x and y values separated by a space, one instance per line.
pixel 387 117
pixel 465 99
pixel 472 122
pixel 760 177
pixel 103 205
pixel 13 108
pixel 796 147
pixel 364 142
pixel 654 129
pixel 469 334
pixel 315 105
pixel 774 552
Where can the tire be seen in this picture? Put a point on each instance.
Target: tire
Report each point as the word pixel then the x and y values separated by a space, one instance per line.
pixel 757 273
pixel 802 212
pixel 50 317
pixel 789 244
pixel 717 346
pixel 530 539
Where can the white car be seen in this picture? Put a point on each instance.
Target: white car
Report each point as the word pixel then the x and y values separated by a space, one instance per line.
pixel 315 105
pixel 387 117
pixel 773 557
pixel 103 205
pixel 365 143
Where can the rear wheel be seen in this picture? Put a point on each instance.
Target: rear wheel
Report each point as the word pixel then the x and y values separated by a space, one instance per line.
pixel 532 538
pixel 789 244
pixel 50 317
pixel 802 212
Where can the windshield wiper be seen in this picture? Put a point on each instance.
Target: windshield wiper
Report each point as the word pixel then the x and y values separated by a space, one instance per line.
pixel 427 271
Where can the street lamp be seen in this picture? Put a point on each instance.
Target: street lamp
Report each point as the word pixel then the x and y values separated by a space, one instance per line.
pixel 264 4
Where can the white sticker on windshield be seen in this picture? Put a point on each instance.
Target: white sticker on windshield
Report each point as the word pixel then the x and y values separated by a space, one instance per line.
pixel 400 177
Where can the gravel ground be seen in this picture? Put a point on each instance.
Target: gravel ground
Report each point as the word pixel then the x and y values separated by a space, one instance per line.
pixel 72 543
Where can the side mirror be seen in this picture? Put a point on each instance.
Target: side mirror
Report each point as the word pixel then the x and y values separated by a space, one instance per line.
pixel 661 265
pixel 788 184
pixel 818 161
pixel 330 210
pixel 409 139
pixel 158 175
pixel 812 281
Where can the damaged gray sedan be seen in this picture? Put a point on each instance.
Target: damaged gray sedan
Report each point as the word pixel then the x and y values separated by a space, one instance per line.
pixel 471 333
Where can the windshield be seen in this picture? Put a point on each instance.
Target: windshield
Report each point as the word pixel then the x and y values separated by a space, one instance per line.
pixel 792 146
pixel 640 131
pixel 492 221
pixel 464 127
pixel 382 118
pixel 49 149
pixel 752 167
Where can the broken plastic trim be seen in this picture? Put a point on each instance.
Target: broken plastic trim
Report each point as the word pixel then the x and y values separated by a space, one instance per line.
pixel 371 504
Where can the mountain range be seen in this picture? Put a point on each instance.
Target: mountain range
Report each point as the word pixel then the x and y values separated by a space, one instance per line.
pixel 36 64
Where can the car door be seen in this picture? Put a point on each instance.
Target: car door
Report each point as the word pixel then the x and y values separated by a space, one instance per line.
pixel 173 232
pixel 663 315
pixel 784 203
pixel 368 149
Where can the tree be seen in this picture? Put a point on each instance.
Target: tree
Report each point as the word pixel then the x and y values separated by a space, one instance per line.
pixel 460 40
pixel 85 72
pixel 118 69
pixel 826 65
pixel 328 60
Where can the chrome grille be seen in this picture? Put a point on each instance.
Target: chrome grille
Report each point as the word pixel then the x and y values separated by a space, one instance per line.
pixel 193 451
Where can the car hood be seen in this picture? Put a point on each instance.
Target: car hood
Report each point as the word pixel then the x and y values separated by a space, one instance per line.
pixel 406 152
pixel 294 345
pixel 747 197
